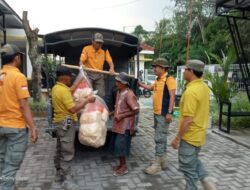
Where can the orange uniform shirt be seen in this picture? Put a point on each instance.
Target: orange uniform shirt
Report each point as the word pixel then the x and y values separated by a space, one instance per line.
pixel 13 87
pixel 94 59
pixel 162 87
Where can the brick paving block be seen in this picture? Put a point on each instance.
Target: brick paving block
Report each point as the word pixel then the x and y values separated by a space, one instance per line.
pixel 131 184
pixel 124 188
pixel 144 185
pixel 122 180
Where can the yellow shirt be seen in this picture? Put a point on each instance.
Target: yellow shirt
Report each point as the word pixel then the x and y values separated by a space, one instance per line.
pixel 62 101
pixel 161 95
pixel 94 59
pixel 195 103
pixel 13 87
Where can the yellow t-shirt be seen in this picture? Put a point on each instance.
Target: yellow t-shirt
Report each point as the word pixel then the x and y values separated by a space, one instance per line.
pixel 161 96
pixel 62 101
pixel 94 59
pixel 13 87
pixel 195 103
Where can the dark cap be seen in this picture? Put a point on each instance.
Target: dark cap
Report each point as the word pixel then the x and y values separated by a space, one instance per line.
pixel 161 62
pixel 60 71
pixel 196 65
pixel 98 37
pixel 123 78
pixel 9 50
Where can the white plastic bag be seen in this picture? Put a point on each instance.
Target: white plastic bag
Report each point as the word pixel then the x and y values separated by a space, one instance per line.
pixel 93 130
pixel 84 88
pixel 91 117
pixel 93 134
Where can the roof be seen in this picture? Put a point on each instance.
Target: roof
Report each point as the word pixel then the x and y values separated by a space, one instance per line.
pixel 146 47
pixel 70 42
pixel 223 7
pixel 12 20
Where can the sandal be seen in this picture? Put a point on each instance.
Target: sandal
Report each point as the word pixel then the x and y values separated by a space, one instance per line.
pixel 115 168
pixel 121 171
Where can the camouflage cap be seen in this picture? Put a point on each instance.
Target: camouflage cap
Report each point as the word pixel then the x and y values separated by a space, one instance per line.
pixel 10 49
pixel 196 65
pixel 161 62
pixel 98 37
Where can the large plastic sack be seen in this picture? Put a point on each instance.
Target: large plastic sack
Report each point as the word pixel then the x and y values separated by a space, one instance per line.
pixel 93 130
pixel 105 115
pixel 82 91
pixel 84 88
pixel 91 117
pixel 93 134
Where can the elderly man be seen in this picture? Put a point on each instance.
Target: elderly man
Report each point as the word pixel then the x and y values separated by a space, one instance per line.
pixel 163 105
pixel 193 123
pixel 94 57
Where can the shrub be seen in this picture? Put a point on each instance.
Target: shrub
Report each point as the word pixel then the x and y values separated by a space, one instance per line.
pixel 221 87
pixel 40 106
pixel 240 103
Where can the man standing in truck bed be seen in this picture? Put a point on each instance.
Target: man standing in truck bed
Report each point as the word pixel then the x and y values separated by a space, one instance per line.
pixel 94 57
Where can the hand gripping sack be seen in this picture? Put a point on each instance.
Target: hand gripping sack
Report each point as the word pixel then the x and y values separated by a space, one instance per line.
pixel 93 130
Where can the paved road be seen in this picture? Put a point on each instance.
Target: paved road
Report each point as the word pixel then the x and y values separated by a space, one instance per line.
pixel 226 161
pixel 145 103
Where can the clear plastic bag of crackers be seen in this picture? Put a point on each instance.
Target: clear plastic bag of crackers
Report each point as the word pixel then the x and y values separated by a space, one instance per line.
pixel 93 119
pixel 84 87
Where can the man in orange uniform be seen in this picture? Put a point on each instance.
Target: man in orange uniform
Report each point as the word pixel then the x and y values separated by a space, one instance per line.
pixel 93 56
pixel 163 105
pixel 15 116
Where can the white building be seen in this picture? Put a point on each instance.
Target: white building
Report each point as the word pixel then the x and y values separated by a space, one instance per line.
pixel 145 51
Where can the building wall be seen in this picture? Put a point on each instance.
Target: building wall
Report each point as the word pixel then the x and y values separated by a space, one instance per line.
pixel 18 37
pixel 142 60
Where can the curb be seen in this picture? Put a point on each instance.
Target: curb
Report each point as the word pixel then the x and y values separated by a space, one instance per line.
pixel 231 138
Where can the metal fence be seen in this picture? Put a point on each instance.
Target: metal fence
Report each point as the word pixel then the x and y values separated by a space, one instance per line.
pixel 236 77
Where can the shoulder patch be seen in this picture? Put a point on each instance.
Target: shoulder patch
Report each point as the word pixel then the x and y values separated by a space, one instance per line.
pixel 2 76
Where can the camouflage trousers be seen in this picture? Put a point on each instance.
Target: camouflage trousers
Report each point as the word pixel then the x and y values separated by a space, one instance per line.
pixel 65 149
pixel 161 131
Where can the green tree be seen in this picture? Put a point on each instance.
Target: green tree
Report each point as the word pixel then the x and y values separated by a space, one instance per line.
pixel 202 12
pixel 140 33
pixel 218 36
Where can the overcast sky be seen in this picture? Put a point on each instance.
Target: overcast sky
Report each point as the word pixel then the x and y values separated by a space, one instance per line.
pixel 54 15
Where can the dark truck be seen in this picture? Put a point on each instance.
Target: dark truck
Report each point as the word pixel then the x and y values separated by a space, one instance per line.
pixel 68 44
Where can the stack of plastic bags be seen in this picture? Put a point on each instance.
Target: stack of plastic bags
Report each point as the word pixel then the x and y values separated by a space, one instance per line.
pixel 93 130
